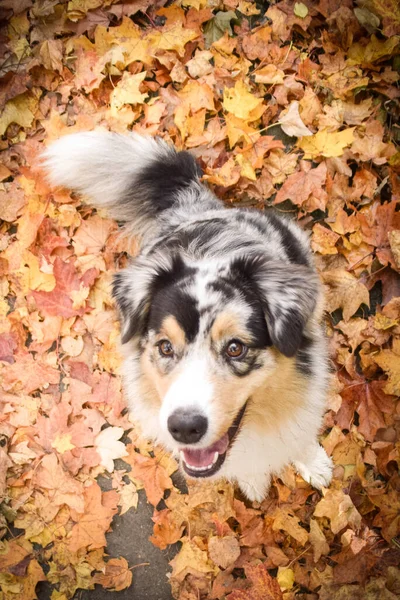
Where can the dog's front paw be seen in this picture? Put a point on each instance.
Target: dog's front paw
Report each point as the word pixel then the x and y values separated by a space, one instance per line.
pixel 317 469
pixel 255 489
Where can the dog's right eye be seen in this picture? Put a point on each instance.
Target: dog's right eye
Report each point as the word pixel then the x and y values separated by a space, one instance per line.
pixel 235 349
pixel 165 348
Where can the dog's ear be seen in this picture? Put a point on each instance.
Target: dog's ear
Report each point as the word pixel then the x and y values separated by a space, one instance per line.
pixel 288 294
pixel 133 289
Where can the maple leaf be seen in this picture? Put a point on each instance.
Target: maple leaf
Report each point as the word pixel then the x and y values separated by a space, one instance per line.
pixel 129 498
pixel 307 182
pixel 291 122
pixel 282 519
pixel 375 50
pixel 153 476
pixel 191 559
pixel 318 541
pixel 272 75
pixel 92 522
pixel 127 91
pixel 173 37
pixel 324 240
pixel 60 486
pixel 29 374
pixel 109 448
pixel 389 10
pixel 339 508
pixel 242 103
pixel 92 235
pixel 117 575
pixel 326 144
pixel 264 587
pixel 59 302
pixel 20 109
pixel 344 291
pixel 167 529
pixel 389 361
pixel 388 517
pixel 223 551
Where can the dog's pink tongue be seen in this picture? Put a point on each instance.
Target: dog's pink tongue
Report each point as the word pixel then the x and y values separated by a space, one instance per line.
pixel 205 456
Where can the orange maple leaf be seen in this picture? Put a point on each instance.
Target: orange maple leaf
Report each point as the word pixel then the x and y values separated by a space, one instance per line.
pixel 93 521
pixel 264 587
pixel 148 470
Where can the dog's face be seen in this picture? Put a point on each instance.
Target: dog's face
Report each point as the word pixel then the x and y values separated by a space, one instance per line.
pixel 210 335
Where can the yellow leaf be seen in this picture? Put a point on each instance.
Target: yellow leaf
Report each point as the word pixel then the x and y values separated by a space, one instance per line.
pixel 373 51
pixel 62 443
pixel 283 519
pixel 345 291
pixel 127 91
pixel 383 322
pixel 36 278
pixel 285 578
pixel 191 560
pixel 389 361
pixel 269 74
pixel 227 175
pixel 20 110
pixel 238 129
pixel 246 170
pixel 240 102
pixel 175 37
pixel 300 10
pixel 326 144
pixel 128 497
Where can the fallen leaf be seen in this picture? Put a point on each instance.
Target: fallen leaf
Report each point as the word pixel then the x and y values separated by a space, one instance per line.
pixel 318 541
pixel 93 520
pixel 338 507
pixel 344 291
pixel 326 144
pixel 153 476
pixel 216 27
pixel 117 575
pixel 242 103
pixel 109 448
pixel 263 586
pixel 291 122
pixel 191 559
pixel 223 551
pixel 61 487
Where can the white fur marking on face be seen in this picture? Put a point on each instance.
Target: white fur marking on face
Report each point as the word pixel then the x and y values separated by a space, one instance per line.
pixel 191 389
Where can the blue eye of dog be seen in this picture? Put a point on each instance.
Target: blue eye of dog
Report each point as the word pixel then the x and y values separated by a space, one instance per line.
pixel 235 349
pixel 165 348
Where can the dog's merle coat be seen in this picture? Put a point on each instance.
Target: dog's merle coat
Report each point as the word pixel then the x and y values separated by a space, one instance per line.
pixel 199 264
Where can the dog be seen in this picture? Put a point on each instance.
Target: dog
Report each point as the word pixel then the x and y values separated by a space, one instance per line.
pixel 225 360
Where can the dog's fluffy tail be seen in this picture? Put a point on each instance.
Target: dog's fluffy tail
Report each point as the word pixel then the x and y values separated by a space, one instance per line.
pixel 135 178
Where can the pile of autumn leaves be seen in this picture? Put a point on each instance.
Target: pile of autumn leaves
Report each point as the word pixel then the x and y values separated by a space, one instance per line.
pixel 287 108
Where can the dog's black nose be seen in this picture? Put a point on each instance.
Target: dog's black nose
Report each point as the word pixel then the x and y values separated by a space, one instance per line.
pixel 187 427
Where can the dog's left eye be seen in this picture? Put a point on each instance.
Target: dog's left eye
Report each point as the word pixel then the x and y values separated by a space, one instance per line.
pixel 235 349
pixel 165 348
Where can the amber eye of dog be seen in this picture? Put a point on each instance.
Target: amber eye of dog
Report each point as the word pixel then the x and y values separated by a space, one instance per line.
pixel 165 348
pixel 235 349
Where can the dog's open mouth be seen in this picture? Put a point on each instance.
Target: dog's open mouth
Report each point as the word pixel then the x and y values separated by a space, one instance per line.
pixel 204 462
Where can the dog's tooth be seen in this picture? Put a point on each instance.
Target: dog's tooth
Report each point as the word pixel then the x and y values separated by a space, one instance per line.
pixel 214 459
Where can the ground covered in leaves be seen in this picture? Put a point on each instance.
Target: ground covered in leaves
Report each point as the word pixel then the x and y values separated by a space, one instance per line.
pixel 288 105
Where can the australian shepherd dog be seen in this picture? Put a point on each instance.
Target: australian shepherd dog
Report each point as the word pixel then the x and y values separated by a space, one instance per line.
pixel 225 361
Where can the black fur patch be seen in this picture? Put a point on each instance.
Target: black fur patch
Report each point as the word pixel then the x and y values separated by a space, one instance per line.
pixel 304 357
pixel 172 300
pixel 163 178
pixel 291 244
pixel 256 324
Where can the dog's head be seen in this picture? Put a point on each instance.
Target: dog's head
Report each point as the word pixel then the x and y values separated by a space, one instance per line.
pixel 211 334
